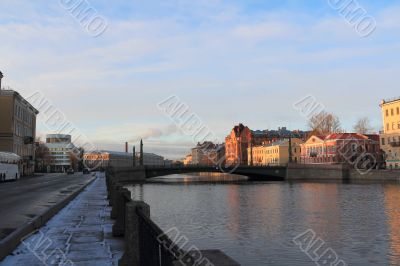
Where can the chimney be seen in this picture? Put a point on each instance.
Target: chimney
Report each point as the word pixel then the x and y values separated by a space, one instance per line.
pixel 1 76
pixel 126 147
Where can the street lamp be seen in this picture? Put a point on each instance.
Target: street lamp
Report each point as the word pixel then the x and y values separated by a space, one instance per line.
pixel 1 76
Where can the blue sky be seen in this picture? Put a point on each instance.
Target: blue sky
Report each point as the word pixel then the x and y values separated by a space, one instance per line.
pixel 230 61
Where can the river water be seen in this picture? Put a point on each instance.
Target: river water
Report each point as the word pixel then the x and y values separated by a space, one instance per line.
pixel 256 222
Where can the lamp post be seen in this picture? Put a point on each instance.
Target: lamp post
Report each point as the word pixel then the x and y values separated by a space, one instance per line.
pixel 134 156
pixel 1 76
pixel 290 148
pixel 141 153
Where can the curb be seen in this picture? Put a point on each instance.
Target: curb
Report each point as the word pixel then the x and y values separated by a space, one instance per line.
pixel 8 244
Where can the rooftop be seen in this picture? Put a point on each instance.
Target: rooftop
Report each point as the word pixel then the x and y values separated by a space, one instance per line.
pixel 8 156
pixel 386 101
pixel 17 95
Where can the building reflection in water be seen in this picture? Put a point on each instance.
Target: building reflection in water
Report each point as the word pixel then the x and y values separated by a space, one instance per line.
pixel 392 210
pixel 258 212
pixel 322 214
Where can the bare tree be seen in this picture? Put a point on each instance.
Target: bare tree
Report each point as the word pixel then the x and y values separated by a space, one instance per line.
pixel 43 157
pixel 324 123
pixel 363 126
pixel 74 160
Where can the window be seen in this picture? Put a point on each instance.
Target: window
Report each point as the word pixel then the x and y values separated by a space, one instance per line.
pixel 354 147
pixel 392 112
pixel 383 141
pixel 387 127
pixel 398 110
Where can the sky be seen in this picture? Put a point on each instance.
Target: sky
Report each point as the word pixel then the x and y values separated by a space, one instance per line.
pixel 227 61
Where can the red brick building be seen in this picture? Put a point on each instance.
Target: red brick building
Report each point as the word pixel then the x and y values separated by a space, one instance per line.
pixel 236 144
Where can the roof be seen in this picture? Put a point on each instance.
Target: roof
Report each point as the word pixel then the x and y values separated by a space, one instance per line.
pixel 374 137
pixel 339 136
pixel 120 153
pixel 60 145
pixel 8 156
pixel 58 136
pixel 17 95
pixel 387 101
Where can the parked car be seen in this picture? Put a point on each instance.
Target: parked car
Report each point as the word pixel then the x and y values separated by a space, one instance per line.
pixel 70 171
pixel 86 171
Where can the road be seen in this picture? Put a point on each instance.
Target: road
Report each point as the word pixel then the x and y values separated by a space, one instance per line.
pixel 24 199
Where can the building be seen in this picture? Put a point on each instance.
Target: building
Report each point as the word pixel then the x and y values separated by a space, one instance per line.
pixel 208 154
pixel 150 159
pixel 187 160
pixel 352 148
pixel 275 153
pixel 390 136
pixel 236 144
pixel 18 128
pixel 168 163
pixel 241 138
pixel 100 160
pixel 62 153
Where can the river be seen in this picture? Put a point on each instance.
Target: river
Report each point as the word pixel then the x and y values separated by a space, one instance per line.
pixel 257 223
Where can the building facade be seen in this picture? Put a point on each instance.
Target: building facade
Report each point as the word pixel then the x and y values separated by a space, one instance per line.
pixel 151 159
pixel 187 160
pixel 18 128
pixel 208 154
pixel 100 160
pixel 351 148
pixel 275 153
pixel 390 136
pixel 61 151
pixel 241 138
pixel 236 144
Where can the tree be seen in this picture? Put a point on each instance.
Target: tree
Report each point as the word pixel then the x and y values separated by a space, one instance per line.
pixel 324 123
pixel 43 157
pixel 363 126
pixel 74 160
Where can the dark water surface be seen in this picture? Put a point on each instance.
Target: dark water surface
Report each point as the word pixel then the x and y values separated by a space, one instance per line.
pixel 255 222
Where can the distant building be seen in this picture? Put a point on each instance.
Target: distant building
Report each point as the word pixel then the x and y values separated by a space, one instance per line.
pixel 352 148
pixel 61 150
pixel 151 159
pixel 241 138
pixel 390 137
pixel 18 128
pixel 208 154
pixel 100 160
pixel 168 162
pixel 275 153
pixel 188 160
pixel 236 144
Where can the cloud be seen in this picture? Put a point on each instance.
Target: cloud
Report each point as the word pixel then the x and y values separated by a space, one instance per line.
pixel 155 133
pixel 229 63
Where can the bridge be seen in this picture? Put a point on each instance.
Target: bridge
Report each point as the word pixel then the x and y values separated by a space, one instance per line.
pixel 141 173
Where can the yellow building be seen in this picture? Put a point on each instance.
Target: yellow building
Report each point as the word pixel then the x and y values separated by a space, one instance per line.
pixel 390 137
pixel 276 153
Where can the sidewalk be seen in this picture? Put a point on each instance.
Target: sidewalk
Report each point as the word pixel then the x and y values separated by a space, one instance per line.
pixel 80 234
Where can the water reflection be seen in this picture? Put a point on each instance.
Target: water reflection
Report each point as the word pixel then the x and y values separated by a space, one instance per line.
pixel 255 222
pixel 319 203
pixel 392 206
pixel 199 177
